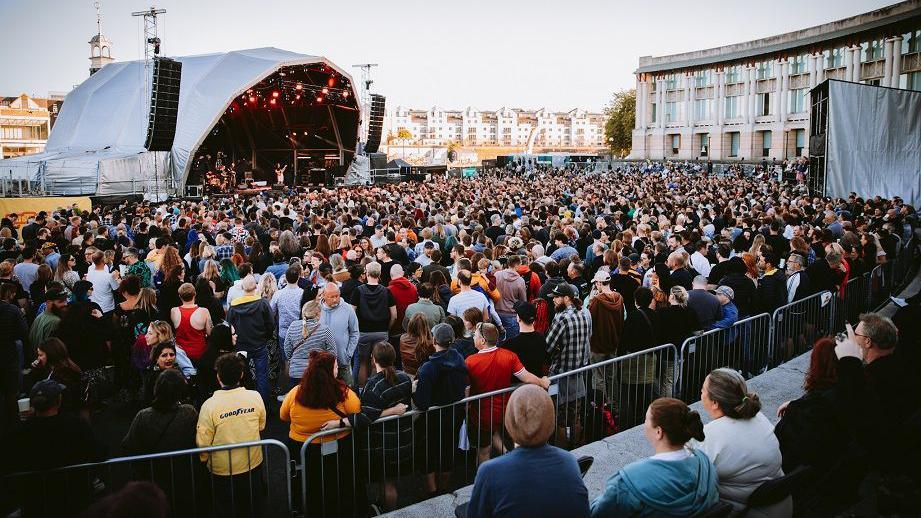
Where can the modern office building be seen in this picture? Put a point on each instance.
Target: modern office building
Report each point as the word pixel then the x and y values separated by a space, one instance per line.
pixel 750 101
pixel 505 127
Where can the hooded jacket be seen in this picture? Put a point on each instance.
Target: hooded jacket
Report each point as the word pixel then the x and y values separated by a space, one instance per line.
pixel 655 487
pixel 511 289
pixel 532 280
pixel 404 294
pixel 251 316
pixel 343 324
pixel 607 310
pixel 442 379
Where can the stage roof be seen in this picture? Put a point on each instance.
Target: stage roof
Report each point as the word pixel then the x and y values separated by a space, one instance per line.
pixel 107 113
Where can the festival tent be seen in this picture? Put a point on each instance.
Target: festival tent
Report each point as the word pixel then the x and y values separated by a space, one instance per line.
pixel 97 145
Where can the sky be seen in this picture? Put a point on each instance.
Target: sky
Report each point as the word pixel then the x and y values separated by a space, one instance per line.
pixel 486 54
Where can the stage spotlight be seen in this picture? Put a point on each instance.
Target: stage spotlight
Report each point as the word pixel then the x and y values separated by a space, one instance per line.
pixel 319 99
pixel 275 93
pixel 298 97
pixel 272 102
pixel 325 90
pixel 331 81
pixel 252 99
pixel 299 87
pixel 345 93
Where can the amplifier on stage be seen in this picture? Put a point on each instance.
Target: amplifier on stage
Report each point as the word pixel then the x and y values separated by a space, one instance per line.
pixel 194 191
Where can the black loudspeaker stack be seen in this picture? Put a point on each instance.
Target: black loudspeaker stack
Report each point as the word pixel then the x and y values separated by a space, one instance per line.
pixel 164 104
pixel 378 160
pixel 375 123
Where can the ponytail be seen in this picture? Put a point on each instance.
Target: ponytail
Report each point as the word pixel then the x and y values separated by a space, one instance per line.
pixel 384 356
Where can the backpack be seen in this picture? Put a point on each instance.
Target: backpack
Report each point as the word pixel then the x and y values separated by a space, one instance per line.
pixel 542 320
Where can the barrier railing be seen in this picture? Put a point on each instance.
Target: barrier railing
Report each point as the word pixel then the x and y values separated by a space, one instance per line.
pixel 796 326
pixel 744 346
pixel 342 467
pixel 246 479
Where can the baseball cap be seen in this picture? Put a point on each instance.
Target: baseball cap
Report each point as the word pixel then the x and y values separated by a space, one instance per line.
pixel 44 394
pixel 727 291
pixel 601 276
pixel 525 311
pixel 563 290
pixel 443 334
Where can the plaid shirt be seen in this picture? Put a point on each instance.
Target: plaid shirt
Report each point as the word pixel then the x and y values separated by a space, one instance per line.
pixel 223 252
pixel 568 340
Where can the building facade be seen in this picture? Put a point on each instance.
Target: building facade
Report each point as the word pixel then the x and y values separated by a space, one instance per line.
pixel 750 101
pixel 24 125
pixel 505 127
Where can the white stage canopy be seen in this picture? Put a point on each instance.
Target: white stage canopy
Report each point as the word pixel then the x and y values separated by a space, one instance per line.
pixel 97 143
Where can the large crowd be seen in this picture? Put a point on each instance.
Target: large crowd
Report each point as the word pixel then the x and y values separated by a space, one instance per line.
pixel 330 309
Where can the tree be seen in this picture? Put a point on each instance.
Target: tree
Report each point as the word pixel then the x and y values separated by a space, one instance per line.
pixel 404 134
pixel 620 119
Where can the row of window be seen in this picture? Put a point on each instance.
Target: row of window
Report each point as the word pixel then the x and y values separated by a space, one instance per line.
pixel 23 133
pixel 831 58
pixel 766 139
pixel 703 107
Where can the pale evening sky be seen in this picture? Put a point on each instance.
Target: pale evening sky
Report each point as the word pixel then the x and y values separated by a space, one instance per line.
pixel 486 54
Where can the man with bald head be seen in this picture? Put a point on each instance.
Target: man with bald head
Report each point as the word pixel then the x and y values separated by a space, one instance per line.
pixel 404 293
pixel 342 322
pixel 516 484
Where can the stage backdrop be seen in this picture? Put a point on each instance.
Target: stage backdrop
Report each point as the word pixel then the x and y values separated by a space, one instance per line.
pixel 874 141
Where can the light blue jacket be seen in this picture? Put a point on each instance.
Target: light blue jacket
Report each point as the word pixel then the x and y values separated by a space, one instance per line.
pixel 343 324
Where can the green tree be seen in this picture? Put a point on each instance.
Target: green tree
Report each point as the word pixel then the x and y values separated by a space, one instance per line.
pixel 620 118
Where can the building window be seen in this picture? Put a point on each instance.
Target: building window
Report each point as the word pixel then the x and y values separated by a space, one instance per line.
pixel 798 64
pixel 702 78
pixel 834 58
pixel 671 81
pixel 671 111
pixel 799 137
pixel 798 100
pixel 764 70
pixel 910 81
pixel 702 109
pixel 675 141
pixel 764 104
pixel 871 50
pixel 733 74
pixel 911 42
pixel 704 141
pixel 654 112
pixel 734 138
pixel 732 107
pixel 12 133
pixel 765 143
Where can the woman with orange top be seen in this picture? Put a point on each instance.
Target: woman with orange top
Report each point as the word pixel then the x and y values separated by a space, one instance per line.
pixel 322 402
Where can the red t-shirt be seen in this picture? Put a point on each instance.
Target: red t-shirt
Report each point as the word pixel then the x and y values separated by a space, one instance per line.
pixel 491 369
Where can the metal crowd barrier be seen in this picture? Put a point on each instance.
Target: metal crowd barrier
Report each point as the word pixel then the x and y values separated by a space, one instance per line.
pixel 343 469
pixel 796 326
pixel 744 346
pixel 258 485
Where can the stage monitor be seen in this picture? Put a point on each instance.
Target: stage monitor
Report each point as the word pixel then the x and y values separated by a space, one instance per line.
pixel 871 144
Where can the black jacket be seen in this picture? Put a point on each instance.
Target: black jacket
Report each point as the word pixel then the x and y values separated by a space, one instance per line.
pixel 442 379
pixel 772 292
pixel 744 291
pixel 253 322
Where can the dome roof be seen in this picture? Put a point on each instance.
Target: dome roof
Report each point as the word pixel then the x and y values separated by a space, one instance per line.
pixel 100 39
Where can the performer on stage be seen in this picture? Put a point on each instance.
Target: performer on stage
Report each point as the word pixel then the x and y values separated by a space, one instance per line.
pixel 280 173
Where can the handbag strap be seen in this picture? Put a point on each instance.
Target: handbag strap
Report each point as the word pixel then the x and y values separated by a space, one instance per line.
pixel 304 340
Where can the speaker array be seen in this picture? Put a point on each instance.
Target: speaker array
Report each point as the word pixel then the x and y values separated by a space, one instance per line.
pixel 375 123
pixel 164 104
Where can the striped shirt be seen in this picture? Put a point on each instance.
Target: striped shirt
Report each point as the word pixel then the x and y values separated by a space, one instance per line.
pixel 297 348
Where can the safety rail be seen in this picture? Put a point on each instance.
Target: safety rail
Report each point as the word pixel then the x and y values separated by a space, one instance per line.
pixel 191 479
pixel 796 326
pixel 743 346
pixel 338 467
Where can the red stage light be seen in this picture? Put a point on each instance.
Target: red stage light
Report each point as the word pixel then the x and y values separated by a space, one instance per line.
pixel 298 97
pixel 325 90
pixel 252 99
pixel 275 93
pixel 272 102
pixel 345 93
pixel 299 87
pixel 319 99
pixel 331 81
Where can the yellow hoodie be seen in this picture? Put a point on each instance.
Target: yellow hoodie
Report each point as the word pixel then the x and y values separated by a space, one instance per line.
pixel 230 417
